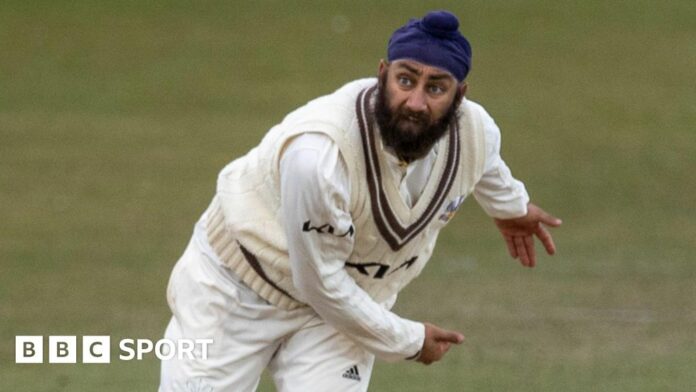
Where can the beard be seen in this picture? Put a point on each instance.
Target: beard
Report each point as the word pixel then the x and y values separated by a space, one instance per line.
pixel 411 134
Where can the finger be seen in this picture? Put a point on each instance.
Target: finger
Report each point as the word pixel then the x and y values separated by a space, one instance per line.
pixel 531 252
pixel 546 239
pixel 549 219
pixel 511 246
pixel 521 250
pixel 450 337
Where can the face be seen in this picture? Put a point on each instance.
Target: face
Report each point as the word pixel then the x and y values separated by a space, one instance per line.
pixel 416 104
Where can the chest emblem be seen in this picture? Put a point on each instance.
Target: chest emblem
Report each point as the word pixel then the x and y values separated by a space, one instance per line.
pixel 451 209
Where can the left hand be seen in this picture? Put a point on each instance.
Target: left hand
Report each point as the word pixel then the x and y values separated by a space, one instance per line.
pixel 519 234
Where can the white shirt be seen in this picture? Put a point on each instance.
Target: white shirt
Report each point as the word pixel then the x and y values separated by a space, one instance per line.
pixel 314 179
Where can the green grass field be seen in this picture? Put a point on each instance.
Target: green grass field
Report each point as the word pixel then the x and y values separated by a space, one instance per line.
pixel 115 118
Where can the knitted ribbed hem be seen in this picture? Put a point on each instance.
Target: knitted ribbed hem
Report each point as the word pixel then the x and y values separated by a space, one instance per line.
pixel 243 263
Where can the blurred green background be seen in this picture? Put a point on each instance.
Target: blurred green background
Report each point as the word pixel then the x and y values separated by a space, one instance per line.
pixel 115 118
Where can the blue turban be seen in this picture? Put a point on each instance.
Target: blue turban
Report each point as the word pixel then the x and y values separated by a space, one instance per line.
pixel 434 40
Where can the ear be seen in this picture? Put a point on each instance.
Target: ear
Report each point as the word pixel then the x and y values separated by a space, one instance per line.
pixel 463 86
pixel 383 66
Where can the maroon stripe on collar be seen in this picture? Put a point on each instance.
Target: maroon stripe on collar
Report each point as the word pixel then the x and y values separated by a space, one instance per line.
pixel 388 225
pixel 372 181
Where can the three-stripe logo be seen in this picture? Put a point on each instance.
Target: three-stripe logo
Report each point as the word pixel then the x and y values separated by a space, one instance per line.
pixel 352 373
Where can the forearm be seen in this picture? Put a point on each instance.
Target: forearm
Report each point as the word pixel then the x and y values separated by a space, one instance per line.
pixel 498 192
pixel 500 195
pixel 340 302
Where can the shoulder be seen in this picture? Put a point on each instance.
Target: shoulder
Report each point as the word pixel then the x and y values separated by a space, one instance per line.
pixel 476 109
pixel 479 115
pixel 335 108
pixel 310 141
pixel 314 159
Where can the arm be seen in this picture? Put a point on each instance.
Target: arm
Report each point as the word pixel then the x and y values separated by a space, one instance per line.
pixel 506 200
pixel 315 188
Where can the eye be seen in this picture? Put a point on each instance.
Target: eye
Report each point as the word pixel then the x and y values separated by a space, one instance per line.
pixel 404 81
pixel 436 89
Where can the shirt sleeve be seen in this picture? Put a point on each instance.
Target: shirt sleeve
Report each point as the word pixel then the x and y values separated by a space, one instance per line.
pixel 498 192
pixel 315 199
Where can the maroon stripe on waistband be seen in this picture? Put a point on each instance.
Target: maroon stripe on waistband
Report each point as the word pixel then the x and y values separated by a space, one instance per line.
pixel 254 263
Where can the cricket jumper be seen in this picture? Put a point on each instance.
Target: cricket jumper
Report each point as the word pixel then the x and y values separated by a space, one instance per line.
pixel 392 242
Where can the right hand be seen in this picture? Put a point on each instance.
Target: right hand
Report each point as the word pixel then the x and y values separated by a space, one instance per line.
pixel 437 342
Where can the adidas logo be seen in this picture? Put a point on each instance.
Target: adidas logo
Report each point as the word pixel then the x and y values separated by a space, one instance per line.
pixel 352 373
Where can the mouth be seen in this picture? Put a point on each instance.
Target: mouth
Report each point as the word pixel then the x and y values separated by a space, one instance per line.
pixel 414 119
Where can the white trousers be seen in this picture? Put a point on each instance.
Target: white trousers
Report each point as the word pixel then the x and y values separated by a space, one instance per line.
pixel 301 352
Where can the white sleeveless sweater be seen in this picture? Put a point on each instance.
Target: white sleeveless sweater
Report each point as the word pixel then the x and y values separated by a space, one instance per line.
pixel 392 241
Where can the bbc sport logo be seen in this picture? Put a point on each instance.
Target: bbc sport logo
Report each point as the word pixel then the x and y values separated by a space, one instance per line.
pixel 97 349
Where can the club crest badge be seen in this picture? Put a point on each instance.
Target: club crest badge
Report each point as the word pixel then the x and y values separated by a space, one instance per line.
pixel 452 208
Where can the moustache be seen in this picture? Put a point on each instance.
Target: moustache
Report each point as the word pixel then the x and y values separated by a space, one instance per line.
pixel 419 118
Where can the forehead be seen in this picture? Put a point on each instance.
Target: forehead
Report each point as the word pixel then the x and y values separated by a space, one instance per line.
pixel 422 69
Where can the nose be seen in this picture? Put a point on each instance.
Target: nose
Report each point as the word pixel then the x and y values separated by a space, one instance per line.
pixel 416 101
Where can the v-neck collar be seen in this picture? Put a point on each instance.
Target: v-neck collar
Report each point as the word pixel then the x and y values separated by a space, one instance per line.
pixel 395 172
pixel 396 222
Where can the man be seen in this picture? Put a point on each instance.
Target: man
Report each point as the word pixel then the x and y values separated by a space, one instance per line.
pixel 294 266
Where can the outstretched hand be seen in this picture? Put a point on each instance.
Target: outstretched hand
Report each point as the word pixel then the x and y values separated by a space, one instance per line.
pixel 519 234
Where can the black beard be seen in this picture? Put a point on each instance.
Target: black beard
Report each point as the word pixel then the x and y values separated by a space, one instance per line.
pixel 408 144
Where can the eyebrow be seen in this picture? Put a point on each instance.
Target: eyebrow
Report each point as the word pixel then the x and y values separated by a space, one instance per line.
pixel 438 76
